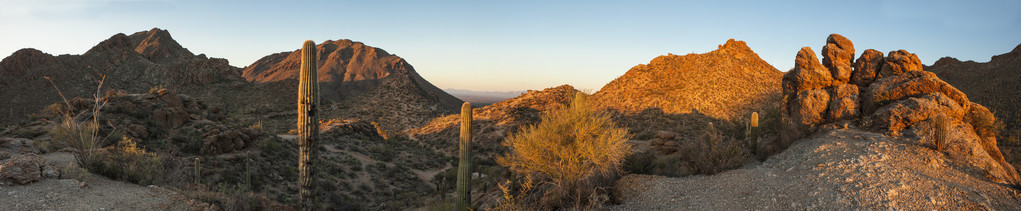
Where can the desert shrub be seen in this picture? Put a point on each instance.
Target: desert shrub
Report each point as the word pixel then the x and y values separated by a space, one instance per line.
pixel 985 124
pixel 83 136
pixel 714 153
pixel 126 161
pixel 640 163
pixel 55 109
pixel 573 148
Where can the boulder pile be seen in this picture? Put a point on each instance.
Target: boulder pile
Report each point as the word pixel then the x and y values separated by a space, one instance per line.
pixel 890 94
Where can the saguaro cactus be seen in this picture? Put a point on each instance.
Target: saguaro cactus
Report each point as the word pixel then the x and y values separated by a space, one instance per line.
pixel 308 125
pixel 464 166
pixel 198 174
pixel 754 138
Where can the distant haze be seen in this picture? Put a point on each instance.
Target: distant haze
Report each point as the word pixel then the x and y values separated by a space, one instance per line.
pixel 521 45
pixel 479 98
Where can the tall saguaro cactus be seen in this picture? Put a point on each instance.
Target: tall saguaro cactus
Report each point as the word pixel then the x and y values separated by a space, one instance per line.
pixel 754 139
pixel 308 125
pixel 464 166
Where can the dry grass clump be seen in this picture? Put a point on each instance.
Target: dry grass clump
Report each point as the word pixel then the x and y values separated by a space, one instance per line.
pixel 572 151
pixel 126 161
pixel 714 153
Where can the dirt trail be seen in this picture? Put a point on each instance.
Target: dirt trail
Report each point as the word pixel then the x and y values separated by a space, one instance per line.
pixel 99 193
pixel 837 170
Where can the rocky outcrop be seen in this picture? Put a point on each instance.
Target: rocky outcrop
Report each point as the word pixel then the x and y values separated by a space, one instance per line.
pixel 837 55
pixel 898 62
pixel 25 169
pixel 222 139
pixel 896 98
pixel 912 83
pixel 867 68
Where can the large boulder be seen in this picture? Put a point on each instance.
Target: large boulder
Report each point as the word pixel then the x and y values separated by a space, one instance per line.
pixel 837 55
pixel 899 62
pixel 843 102
pixel 867 67
pixel 809 107
pixel 171 117
pixel 905 113
pixel 24 169
pixel 802 113
pixel 807 74
pixel 219 139
pixel 912 83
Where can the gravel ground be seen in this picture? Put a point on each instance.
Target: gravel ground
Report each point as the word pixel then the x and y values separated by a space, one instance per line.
pixel 845 169
pixel 98 193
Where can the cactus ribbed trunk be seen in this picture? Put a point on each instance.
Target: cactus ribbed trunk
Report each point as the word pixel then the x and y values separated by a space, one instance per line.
pixel 308 125
pixel 755 133
pixel 198 173
pixel 464 166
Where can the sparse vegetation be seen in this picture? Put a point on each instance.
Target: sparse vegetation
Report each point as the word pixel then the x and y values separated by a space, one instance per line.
pixel 81 136
pixel 714 153
pixel 573 149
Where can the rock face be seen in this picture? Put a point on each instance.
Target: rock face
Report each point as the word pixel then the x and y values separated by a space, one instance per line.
pixel 843 102
pixel 912 83
pixel 867 68
pixel 25 169
pixel 901 99
pixel 808 74
pixel 837 55
pixel 727 83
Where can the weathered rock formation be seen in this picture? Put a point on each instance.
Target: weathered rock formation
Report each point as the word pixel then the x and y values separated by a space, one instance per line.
pixel 886 94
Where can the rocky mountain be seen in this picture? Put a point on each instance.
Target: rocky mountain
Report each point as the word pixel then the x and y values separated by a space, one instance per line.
pixel 684 93
pixel 726 83
pixel 135 63
pixel 347 69
pixel 152 59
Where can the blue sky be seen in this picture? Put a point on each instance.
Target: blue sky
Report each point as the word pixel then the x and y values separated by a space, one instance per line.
pixel 519 45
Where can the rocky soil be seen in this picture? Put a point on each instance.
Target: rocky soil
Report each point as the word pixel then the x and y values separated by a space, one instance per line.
pixel 86 191
pixel 840 169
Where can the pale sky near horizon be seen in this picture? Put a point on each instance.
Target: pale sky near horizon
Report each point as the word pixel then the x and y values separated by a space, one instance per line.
pixel 520 45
